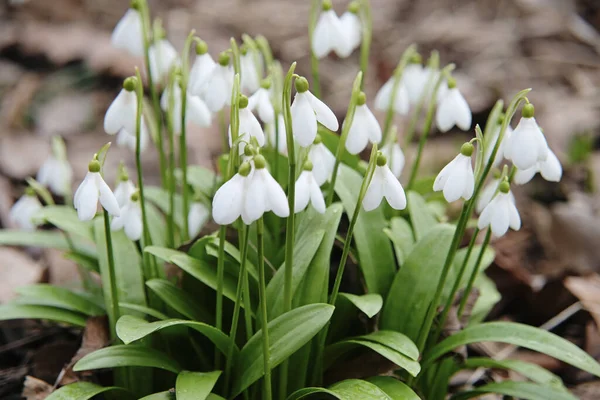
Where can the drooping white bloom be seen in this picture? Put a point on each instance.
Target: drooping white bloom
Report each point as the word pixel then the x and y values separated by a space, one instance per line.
pixel 250 81
pixel 395 156
pixel 323 161
pixel 414 79
pixel 197 217
pixel 501 213
pixel 487 194
pixel 306 110
pixel 260 102
pixel 308 191
pixel 384 184
pixel 281 133
pixel 196 112
pixel 263 194
pixel 228 201
pixel 364 128
pixel 57 175
pixel 162 56
pixel 351 28
pixel 128 33
pixel 92 189
pixel 456 179
pixel 401 99
pixel 120 118
pixel 527 144
pixel 453 110
pixel 130 218
pixel 201 69
pixel 24 209
pixel 550 169
pixel 216 91
pixel 329 34
pixel 492 142
pixel 249 127
pixel 123 192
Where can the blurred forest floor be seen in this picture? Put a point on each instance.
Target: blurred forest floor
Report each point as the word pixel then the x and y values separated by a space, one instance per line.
pixel 58 74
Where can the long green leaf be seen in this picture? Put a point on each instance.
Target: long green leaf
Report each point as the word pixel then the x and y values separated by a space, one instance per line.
pixel 65 218
pixel 374 248
pixel 48 295
pixel 394 388
pixel 394 340
pixel 529 370
pixel 160 198
pixel 200 178
pixel 354 389
pixel 44 239
pixel 418 277
pixel 166 395
pixel 401 235
pixel 521 335
pixel 313 393
pixel 488 297
pixel 127 356
pixel 520 390
pixel 143 310
pixel 131 328
pixel 23 311
pixel 195 385
pixel 287 333
pixel 179 300
pixel 212 249
pixel 370 304
pixel 157 226
pixel 82 391
pixel 421 217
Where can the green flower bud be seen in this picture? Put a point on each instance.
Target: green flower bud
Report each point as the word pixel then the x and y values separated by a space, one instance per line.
pixel 259 162
pixel 266 83
pixel 308 165
pixel 318 139
pixel 501 119
pixel 249 150
pixel 243 49
pixel 201 47
pixel 504 186
pixel 224 59
pixel 301 84
pixel 451 83
pixel 528 111
pixel 29 191
pixel 130 83
pixel 466 149
pixel 135 196
pixel 160 33
pixel 242 101
pixel 245 169
pixel 136 5
pixel 326 6
pixel 381 160
pixel 354 7
pixel 94 166
pixel 416 59
pixel 361 99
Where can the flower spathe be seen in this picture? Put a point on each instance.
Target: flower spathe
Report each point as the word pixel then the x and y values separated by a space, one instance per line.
pixel 323 160
pixel 260 102
pixel 306 111
pixel 249 127
pixel 401 99
pixel 550 169
pixel 395 156
pixel 162 57
pixel 57 175
pixel 92 189
pixel 453 110
pixel 384 184
pixel 128 33
pixel 22 212
pixel 501 213
pixel 527 145
pixel 216 91
pixel 329 35
pixel 196 111
pixel 308 191
pixel 197 217
pixel 130 219
pixel 364 128
pixel 456 179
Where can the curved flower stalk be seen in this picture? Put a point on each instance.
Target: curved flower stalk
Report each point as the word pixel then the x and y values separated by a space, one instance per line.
pixel 249 127
pixel 384 184
pixel 320 155
pixel 550 169
pixel 393 152
pixel 216 91
pixel 202 68
pixel 501 213
pixel 456 179
pixel 56 172
pixel 452 109
pixel 308 190
pixel 330 34
pixel 196 111
pixel 163 57
pixel 130 218
pixel 527 144
pixel 128 33
pixel 260 102
pixel 92 189
pixel 364 128
pixel 22 212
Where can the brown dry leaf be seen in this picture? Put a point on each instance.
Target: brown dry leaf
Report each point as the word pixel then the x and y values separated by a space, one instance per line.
pixel 61 272
pixel 587 391
pixel 587 290
pixel 65 114
pixel 6 201
pixel 15 154
pixel 15 103
pixel 35 389
pixel 16 269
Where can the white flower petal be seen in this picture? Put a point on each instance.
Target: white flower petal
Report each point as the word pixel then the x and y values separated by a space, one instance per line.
pixel 358 134
pixel 469 181
pixel 276 197
pixel 374 193
pixel 352 29
pixel 382 99
pixel 442 177
pixel 414 79
pixel 256 202
pixel 121 113
pixel 250 79
pixel 228 200
pixel 514 218
pixel 486 195
pixel 23 211
pixel 107 198
pixel 302 192
pixel 485 218
pixel 500 218
pixel 527 144
pixel 525 175
pixel 216 93
pixel 551 170
pixel 393 190
pixel 200 73
pixel 128 34
pixel 395 158
pixel 401 101
pixel 133 223
pixel 323 162
pixel 86 198
pixel 326 34
pixel 162 56
pixel 197 217
pixel 304 120
pixel 324 114
pixel 197 112
pixel 316 196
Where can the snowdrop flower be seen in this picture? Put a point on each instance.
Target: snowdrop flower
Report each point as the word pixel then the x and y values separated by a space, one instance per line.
pixel 197 217
pixel 487 194
pixel 364 127
pixel 24 209
pixel 260 102
pixel 125 188
pixel 201 69
pixel 121 117
pixel 281 133
pixel 196 112
pixel 414 79
pixel 401 99
pixel 306 110
pixel 128 34
pixel 92 189
pixel 456 179
pixel 56 172
pixel 308 191
pixel 216 91
pixel 527 144
pixel 393 152
pixel 228 201
pixel 250 80
pixel 501 213
pixel 249 126
pixel 453 110
pixel 329 34
pixel 130 218
pixel 323 159
pixel 263 194
pixel 351 27
pixel 162 57
pixel 384 184
pixel 551 170
pixel 491 143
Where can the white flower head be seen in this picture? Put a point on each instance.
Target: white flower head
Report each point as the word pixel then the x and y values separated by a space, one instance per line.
pixel 308 191
pixel 456 179
pixel 491 143
pixel 383 98
pixel 201 69
pixel 250 79
pixel 527 144
pixel 364 128
pixel 323 161
pixel 329 34
pixel 249 127
pixel 453 110
pixel 130 218
pixel 125 188
pixel 196 112
pixel 281 134
pixel 216 91
pixel 501 213
pixel 306 111
pixel 414 79
pixel 24 209
pixel 384 184
pixel 260 102
pixel 126 139
pixel 487 194
pixel 92 189
pixel 56 172
pixel 393 152
pixel 128 33
pixel 550 169
pixel 163 57
pixel 351 27
pixel 263 194
pixel 197 217
pixel 228 201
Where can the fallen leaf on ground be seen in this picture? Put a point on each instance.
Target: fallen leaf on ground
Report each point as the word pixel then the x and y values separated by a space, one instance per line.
pixel 587 290
pixel 35 389
pixel 16 269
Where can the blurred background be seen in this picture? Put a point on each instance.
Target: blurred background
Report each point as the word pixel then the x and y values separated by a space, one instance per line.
pixel 59 73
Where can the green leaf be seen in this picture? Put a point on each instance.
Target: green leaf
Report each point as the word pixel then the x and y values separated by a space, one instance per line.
pixel 521 390
pixel 314 393
pixel 417 277
pixel 143 310
pixel 370 304
pixel 166 395
pixel 488 297
pixel 336 350
pixel 420 215
pixel 179 300
pixel 87 262
pixel 287 333
pixel 65 218
pixel 127 356
pixel 156 226
pixel 394 388
pixel 160 198
pixel 130 328
pixel 200 178
pixel 44 239
pixel 81 391
pixel 195 385
pixel 521 335
pixel 48 295
pixel 212 249
pixel 374 248
pixel 352 389
pixel 529 370
pixel 486 261
pixel 22 311
pixel 401 235
pixel 395 341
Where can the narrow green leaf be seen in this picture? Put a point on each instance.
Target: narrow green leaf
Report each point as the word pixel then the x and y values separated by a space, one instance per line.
pixel 157 226
pixel 521 335
pixel 160 198
pixel 48 295
pixel 370 304
pixel 143 310
pixel 179 300
pixel 401 235
pixel 127 356
pixel 394 388
pixel 287 333
pixel 352 389
pixel 529 370
pixel 488 297
pixel 520 390
pixel 82 391
pixel 87 262
pixel 130 329
pixel 166 395
pixel 486 261
pixel 200 178
pixel 313 393
pixel 212 249
pixel 44 239
pixel 395 341
pixel 65 218
pixel 195 385
pixel 22 311
pixel 418 276
pixel 421 217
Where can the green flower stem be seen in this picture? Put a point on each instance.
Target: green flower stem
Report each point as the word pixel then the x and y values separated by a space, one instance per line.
pixel 315 9
pixel 112 278
pixel 171 160
pixel 223 130
pixel 389 114
pixel 344 135
pixel 367 32
pixel 262 293
pixel 474 274
pixel 220 277
pixel 428 124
